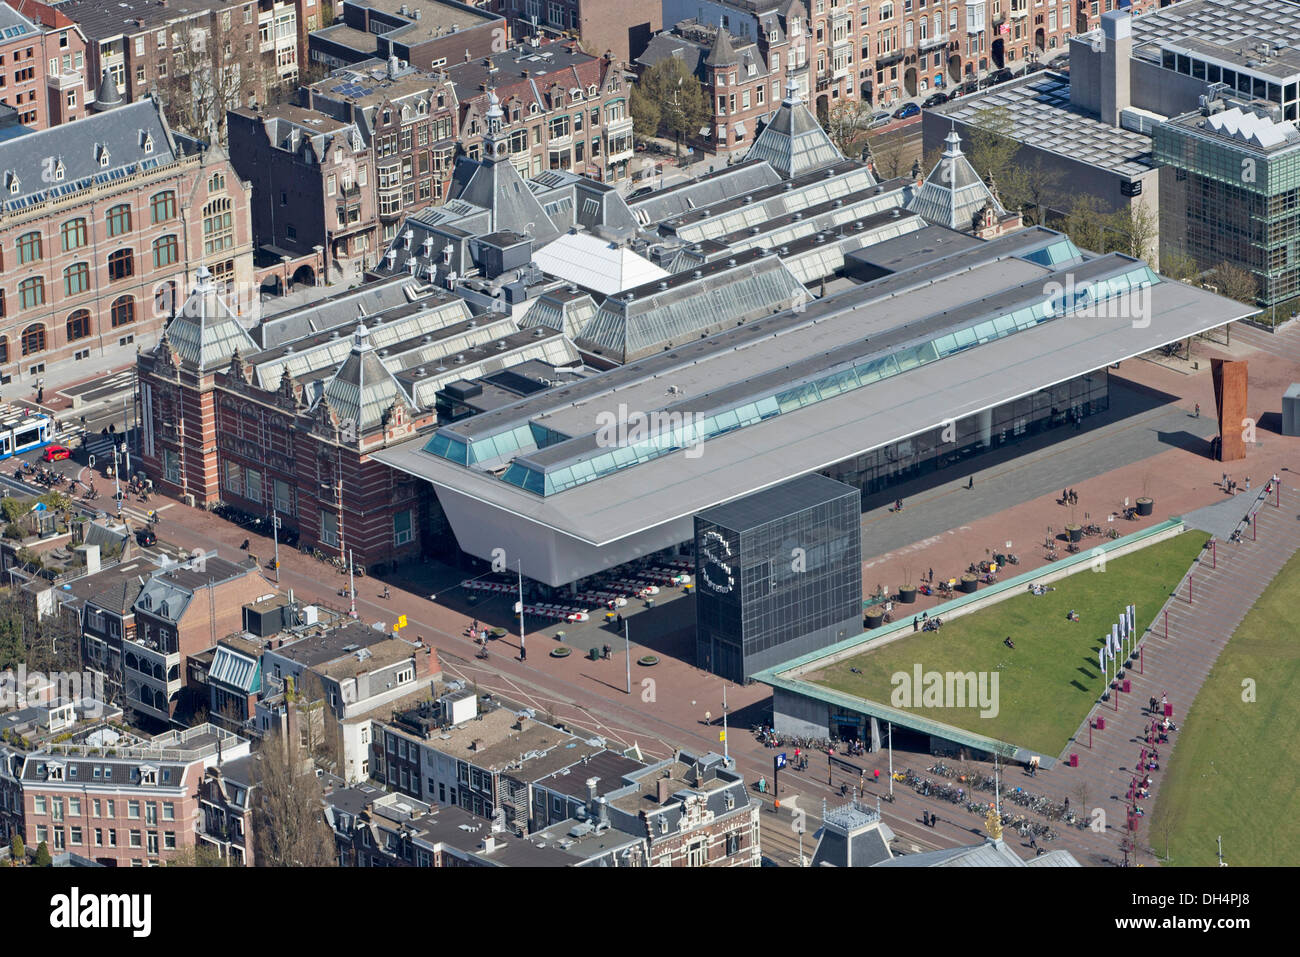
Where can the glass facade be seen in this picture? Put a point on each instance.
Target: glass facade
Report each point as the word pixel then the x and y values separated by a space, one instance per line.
pixel 1226 201
pixel 931 451
pixel 788 582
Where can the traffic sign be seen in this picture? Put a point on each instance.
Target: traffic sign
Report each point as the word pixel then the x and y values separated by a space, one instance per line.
pixel 779 760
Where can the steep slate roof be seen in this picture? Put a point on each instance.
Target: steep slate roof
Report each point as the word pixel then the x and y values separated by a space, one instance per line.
pixel 793 142
pixel 723 53
pixel 206 333
pixel 494 184
pixel 953 194
pixel 78 149
pixel 363 389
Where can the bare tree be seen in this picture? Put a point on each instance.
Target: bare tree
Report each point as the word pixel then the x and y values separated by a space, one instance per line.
pixel 1179 266
pixel 846 125
pixel 207 75
pixel 1136 229
pixel 289 828
pixel 1234 282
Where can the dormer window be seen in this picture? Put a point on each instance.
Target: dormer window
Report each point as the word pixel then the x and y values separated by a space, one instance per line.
pixel 591 90
pixel 103 157
pixel 148 142
pixel 54 771
pixel 148 775
pixel 15 185
pixel 59 170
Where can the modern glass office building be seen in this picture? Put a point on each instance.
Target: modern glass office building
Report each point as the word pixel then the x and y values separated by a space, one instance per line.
pixel 1230 192
pixel 778 574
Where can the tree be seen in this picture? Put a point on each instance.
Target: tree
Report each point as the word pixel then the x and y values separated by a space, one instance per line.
pixel 645 114
pixel 1135 230
pixel 1086 224
pixel 289 828
pixel 992 150
pixel 1179 266
pixel 677 92
pixel 43 858
pixel 198 855
pixel 1234 282
pixel 17 850
pixel 846 126
pixel 889 155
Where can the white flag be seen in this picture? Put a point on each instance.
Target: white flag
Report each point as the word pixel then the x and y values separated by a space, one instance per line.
pixel 1110 652
pixel 1101 660
pixel 1132 617
pixel 1123 625
pixel 1114 637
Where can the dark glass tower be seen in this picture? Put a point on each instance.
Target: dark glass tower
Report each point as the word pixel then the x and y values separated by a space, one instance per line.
pixel 778 574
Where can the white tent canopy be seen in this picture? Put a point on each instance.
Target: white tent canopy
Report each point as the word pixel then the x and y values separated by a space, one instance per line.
pixel 595 264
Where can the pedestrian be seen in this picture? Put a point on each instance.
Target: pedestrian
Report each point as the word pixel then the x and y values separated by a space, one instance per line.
pixel 1247 483
pixel 1198 410
pixel 971 482
pixel 620 621
pixel 931 576
pixel 1152 706
pixel 916 623
pixel 875 775
pixel 1224 483
pixel 523 653
pixel 1067 804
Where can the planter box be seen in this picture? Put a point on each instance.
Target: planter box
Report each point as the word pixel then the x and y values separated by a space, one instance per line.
pixel 968 583
pixel 1145 506
pixel 1075 532
pixel 874 619
pixel 907 595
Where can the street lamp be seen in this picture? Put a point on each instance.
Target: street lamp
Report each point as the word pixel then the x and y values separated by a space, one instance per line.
pixel 275 532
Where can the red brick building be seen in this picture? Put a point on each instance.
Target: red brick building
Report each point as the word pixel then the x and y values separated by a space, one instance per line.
pixel 124 805
pixel 42 64
pixel 99 221
pixel 290 429
pixel 369 146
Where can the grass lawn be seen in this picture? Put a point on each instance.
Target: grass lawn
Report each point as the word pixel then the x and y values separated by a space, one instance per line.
pixel 1049 681
pixel 1234 772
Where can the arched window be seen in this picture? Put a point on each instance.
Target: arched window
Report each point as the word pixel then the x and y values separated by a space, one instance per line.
pixel 164 251
pixel 33 339
pixel 29 247
pixel 119 220
pixel 79 325
pixel 163 206
pixel 123 311
pixel 121 264
pixel 218 234
pixel 76 279
pixel 216 182
pixel 74 234
pixel 31 292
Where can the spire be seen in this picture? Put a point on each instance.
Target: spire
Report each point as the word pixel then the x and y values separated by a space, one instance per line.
pixel 792 92
pixel 107 96
pixel 361 339
pixel 495 140
pixel 723 53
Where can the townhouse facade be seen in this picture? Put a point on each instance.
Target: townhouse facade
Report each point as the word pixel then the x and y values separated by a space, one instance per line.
pixel 378 141
pixel 258 47
pixel 132 803
pixel 100 223
pixel 225 818
pixel 42 64
pixel 879 52
pixel 180 612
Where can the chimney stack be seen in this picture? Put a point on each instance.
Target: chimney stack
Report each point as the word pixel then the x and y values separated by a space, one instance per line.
pixel 1117 48
pixel 591 796
pixel 664 791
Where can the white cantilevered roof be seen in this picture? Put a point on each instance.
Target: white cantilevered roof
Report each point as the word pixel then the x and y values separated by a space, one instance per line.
pixel 589 526
pixel 595 264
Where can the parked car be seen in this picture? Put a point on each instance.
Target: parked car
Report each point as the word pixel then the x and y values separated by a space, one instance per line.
pixel 146 537
pixel 883 118
pixel 906 110
pixel 55 453
pixel 1000 76
pixel 934 99
pixel 643 191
